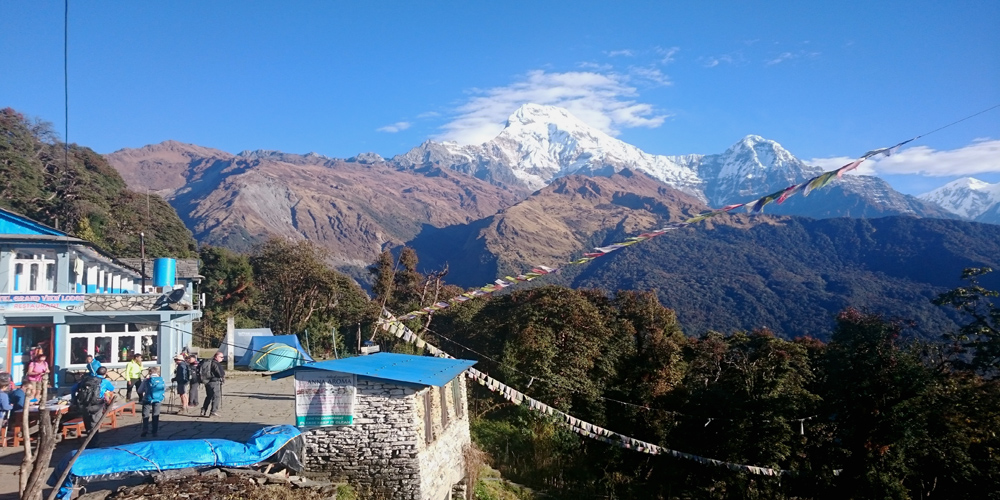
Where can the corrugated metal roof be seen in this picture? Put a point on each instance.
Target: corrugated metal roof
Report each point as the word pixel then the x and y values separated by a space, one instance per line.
pixel 406 368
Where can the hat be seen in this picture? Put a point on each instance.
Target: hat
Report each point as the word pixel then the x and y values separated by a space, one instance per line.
pixel 179 357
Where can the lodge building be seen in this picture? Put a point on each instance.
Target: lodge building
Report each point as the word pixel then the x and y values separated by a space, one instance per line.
pixel 67 298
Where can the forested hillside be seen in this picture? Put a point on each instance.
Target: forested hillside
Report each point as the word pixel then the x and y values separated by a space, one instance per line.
pixel 866 415
pixel 793 275
pixel 84 196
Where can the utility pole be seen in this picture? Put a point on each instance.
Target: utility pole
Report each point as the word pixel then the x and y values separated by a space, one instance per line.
pixel 334 333
pixel 142 260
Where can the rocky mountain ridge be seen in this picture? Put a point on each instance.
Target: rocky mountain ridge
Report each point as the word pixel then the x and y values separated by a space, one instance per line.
pixel 969 198
pixel 359 206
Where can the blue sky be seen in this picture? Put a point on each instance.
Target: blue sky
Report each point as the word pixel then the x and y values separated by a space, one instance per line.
pixel 827 80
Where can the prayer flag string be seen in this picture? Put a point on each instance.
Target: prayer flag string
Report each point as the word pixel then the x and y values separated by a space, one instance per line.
pixel 579 426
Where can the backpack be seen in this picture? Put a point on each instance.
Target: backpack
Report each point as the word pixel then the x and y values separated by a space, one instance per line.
pixel 154 390
pixel 183 373
pixel 205 371
pixel 88 392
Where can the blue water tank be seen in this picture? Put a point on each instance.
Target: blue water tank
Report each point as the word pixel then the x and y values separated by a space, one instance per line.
pixel 164 272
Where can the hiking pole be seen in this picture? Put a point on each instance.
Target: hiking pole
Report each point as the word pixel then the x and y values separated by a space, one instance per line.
pixel 90 435
pixel 171 405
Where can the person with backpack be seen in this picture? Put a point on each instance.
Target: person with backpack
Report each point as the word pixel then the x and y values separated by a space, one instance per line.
pixel 194 382
pixel 91 396
pixel 182 377
pixel 213 375
pixel 151 394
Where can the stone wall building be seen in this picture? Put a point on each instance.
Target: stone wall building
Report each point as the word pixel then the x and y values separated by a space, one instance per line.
pixel 410 426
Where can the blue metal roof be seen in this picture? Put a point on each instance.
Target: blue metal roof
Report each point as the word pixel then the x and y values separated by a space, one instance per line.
pixel 14 223
pixel 405 368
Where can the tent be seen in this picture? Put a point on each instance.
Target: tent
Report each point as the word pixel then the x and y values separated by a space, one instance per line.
pixel 257 347
pixel 242 336
pixel 276 357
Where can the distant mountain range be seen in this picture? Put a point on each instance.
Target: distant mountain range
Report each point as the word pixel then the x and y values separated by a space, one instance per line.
pixel 357 206
pixel 969 198
pixel 549 188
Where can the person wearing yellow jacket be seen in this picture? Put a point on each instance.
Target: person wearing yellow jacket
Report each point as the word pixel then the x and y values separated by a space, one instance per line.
pixel 133 377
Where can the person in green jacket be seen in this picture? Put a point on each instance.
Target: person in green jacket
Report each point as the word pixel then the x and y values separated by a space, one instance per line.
pixel 133 377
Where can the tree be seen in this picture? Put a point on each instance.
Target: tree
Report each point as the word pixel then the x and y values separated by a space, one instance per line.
pixel 874 391
pixel 981 336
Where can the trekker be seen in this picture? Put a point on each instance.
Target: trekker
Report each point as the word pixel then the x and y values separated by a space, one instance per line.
pixel 5 405
pixel 182 377
pixel 37 370
pixel 133 376
pixel 213 375
pixel 151 394
pixel 92 365
pixel 194 382
pixel 91 396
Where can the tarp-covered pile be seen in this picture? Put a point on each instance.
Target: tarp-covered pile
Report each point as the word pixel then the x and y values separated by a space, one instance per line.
pixel 279 443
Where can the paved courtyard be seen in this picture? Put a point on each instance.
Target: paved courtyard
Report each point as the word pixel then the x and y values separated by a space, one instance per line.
pixel 249 402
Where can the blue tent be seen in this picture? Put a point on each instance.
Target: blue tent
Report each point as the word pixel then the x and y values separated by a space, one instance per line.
pixel 275 357
pixel 257 346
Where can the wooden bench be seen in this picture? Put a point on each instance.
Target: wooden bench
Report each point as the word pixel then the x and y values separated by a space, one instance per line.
pixel 76 426
pixel 123 408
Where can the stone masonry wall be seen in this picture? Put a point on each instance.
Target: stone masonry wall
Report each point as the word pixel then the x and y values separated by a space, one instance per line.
pixel 120 302
pixel 378 455
pixel 442 462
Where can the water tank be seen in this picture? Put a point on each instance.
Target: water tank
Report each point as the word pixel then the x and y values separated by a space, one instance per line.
pixel 164 272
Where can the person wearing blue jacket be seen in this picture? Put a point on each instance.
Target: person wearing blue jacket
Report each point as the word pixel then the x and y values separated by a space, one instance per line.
pixel 92 365
pixel 152 390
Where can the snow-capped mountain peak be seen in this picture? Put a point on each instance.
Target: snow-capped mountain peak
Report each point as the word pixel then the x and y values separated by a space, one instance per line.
pixel 541 143
pixel 967 197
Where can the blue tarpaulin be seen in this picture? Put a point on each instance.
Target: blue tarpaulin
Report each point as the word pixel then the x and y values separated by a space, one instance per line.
pixel 150 457
pixel 257 346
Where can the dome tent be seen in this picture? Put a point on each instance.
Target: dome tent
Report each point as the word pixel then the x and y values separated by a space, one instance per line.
pixel 276 357
pixel 257 353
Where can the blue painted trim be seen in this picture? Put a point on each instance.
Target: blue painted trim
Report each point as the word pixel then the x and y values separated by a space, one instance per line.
pixel 91 288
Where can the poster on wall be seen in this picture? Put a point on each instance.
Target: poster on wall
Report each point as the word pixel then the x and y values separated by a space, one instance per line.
pixel 324 398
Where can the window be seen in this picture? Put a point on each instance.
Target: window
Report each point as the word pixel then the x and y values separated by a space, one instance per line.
pixel 428 419
pixel 19 282
pixel 456 396
pixel 443 392
pixel 33 278
pixel 126 348
pixel 103 350
pixel 78 350
pixel 50 276
pixel 114 342
pixel 34 272
pixel 150 347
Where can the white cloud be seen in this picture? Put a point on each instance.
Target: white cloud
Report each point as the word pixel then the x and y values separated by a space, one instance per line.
pixel 602 100
pixel 623 52
pixel 428 114
pixel 651 75
pixel 982 156
pixel 713 61
pixel 784 56
pixel 595 66
pixel 787 56
pixel 395 127
pixel 667 55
